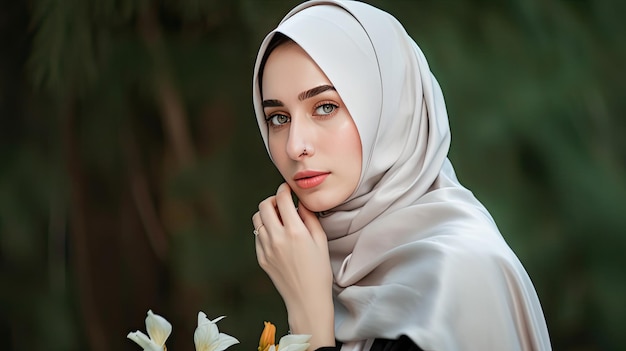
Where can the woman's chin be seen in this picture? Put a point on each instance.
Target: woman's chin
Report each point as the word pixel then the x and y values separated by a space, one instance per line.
pixel 313 206
pixel 323 199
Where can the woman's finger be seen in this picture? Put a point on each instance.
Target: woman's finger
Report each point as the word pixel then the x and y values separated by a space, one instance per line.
pixel 286 207
pixel 313 224
pixel 256 222
pixel 260 240
pixel 269 215
pixel 258 228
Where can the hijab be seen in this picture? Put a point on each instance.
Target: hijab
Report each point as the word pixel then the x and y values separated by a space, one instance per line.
pixel 413 252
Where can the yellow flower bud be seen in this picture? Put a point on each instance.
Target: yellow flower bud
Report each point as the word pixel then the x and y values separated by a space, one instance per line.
pixel 267 337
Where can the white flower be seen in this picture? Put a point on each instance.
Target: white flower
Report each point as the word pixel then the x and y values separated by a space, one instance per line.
pixel 159 330
pixel 292 342
pixel 208 338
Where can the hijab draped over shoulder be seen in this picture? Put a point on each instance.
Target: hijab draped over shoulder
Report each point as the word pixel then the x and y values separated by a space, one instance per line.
pixel 412 251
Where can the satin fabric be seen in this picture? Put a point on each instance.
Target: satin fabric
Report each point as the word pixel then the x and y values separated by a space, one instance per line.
pixel 413 252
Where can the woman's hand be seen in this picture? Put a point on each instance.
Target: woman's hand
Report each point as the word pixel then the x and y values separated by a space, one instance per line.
pixel 292 249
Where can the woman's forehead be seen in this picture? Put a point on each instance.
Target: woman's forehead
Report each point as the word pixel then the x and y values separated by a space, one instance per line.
pixel 290 68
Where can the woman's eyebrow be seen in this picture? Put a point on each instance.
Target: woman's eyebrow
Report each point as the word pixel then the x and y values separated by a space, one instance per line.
pixel 302 96
pixel 272 103
pixel 315 91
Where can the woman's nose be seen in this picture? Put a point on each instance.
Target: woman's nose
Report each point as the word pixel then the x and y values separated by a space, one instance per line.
pixel 300 142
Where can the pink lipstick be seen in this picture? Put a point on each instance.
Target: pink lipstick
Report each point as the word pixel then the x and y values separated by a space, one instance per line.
pixel 310 179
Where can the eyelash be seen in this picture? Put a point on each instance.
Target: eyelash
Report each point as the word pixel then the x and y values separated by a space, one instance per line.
pixel 327 103
pixel 268 119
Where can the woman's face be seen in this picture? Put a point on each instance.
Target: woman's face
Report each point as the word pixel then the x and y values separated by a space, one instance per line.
pixel 312 137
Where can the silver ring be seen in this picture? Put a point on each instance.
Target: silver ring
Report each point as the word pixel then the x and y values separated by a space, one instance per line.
pixel 256 230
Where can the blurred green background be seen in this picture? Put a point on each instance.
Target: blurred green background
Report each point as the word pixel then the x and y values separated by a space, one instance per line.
pixel 131 164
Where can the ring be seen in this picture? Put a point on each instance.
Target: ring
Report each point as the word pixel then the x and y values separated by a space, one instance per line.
pixel 256 230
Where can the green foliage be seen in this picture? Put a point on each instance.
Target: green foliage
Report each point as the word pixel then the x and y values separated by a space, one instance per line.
pixel 106 211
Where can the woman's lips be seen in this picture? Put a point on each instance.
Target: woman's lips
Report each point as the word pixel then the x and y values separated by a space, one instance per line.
pixel 310 179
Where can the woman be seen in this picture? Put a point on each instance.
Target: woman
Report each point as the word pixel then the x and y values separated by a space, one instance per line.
pixel 385 249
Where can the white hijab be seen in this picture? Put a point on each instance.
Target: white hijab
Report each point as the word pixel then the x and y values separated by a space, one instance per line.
pixel 413 252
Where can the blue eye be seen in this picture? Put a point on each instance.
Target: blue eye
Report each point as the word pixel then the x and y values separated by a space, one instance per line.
pixel 326 109
pixel 277 120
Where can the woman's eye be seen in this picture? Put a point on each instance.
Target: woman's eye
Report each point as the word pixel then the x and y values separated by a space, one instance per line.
pixel 277 120
pixel 325 109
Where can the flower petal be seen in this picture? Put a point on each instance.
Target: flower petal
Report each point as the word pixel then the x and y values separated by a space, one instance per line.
pixel 295 347
pixel 294 339
pixel 223 342
pixel 144 341
pixel 158 328
pixel 218 319
pixel 207 336
pixel 294 342
pixel 205 329
pixel 203 338
pixel 202 318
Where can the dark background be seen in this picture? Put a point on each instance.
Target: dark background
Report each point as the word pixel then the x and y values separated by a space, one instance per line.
pixel 131 164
